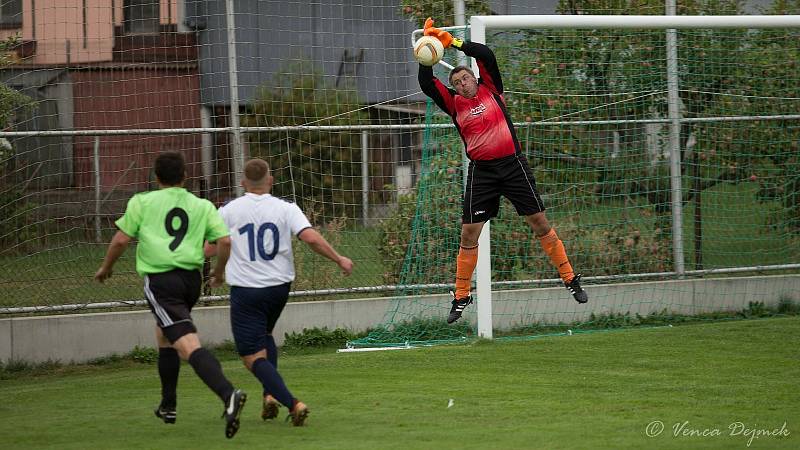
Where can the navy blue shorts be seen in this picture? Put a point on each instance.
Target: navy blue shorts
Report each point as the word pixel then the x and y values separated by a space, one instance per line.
pixel 254 312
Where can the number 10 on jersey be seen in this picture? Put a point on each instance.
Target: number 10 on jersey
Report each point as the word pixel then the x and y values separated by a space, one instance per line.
pixel 255 240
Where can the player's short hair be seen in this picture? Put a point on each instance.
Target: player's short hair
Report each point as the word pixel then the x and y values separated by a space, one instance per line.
pixel 256 170
pixel 458 69
pixel 170 168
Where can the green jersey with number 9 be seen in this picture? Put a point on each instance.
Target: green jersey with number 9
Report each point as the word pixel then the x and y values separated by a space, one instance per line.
pixel 170 225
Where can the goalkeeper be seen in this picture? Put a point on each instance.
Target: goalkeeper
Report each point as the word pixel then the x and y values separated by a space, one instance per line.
pixel 497 166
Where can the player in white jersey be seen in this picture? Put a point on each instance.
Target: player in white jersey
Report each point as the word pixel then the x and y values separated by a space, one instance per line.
pixel 260 272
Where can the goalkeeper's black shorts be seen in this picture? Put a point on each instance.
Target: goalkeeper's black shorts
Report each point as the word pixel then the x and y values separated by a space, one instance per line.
pixel 509 176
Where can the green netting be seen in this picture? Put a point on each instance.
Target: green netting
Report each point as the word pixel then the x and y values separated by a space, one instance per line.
pixel 591 112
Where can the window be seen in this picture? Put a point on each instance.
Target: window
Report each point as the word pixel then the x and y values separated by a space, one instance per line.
pixel 10 13
pixel 140 16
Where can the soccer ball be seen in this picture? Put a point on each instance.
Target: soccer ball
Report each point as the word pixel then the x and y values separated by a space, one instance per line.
pixel 428 50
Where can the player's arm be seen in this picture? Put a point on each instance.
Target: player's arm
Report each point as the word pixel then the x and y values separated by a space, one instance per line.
pixel 319 245
pixel 222 250
pixel 217 243
pixel 210 245
pixel 487 64
pixel 119 243
pixel 433 88
pixel 209 249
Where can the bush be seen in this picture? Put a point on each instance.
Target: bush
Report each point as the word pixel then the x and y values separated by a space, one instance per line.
pixel 427 330
pixel 314 271
pixel 516 253
pixel 660 318
pixel 19 228
pixel 14 368
pixel 309 165
pixel 316 338
pixel 144 355
pixel 788 306
pixel 394 236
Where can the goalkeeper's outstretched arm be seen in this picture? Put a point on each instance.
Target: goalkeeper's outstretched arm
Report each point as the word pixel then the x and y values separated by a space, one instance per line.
pixel 433 88
pixel 487 63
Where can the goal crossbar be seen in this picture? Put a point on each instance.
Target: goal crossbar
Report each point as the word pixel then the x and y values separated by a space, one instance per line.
pixel 628 22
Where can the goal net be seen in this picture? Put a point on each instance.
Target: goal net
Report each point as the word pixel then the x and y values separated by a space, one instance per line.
pixel 668 164
pixel 93 90
pixel 327 93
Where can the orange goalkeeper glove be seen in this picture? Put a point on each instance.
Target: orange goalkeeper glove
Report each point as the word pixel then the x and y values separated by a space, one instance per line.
pixel 444 37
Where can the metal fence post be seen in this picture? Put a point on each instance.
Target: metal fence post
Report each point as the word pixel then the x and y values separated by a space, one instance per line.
pixel 673 98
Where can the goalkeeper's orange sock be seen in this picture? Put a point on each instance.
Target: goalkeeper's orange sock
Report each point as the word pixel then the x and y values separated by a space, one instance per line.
pixel 465 265
pixel 554 248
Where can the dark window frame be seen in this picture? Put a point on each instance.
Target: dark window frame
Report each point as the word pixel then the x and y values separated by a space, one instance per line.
pixel 10 14
pixel 141 16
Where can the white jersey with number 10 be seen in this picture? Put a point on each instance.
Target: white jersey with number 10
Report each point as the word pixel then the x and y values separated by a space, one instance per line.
pixel 261 228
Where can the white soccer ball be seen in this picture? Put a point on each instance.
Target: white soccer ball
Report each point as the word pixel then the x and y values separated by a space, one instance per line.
pixel 428 50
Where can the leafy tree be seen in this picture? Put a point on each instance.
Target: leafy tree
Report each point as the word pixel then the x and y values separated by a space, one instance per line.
pixel 15 224
pixel 320 170
pixel 442 10
pixel 597 74
pixel 11 100
pixel 778 77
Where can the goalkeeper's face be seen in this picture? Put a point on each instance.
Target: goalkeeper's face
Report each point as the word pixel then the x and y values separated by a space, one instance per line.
pixel 465 84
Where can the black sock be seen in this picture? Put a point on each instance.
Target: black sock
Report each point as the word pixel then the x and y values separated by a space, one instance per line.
pixel 208 369
pixel 169 365
pixel 272 351
pixel 272 382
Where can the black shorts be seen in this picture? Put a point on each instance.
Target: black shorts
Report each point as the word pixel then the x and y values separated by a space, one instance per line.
pixel 171 297
pixel 254 312
pixel 509 176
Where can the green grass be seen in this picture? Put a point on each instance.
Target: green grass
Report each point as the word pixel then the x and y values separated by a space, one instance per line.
pixel 597 390
pixel 736 232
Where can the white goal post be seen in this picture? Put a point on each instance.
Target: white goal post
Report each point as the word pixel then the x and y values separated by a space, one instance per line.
pixel 480 24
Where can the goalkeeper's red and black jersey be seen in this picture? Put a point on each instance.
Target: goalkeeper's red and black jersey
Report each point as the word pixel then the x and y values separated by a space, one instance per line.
pixel 482 121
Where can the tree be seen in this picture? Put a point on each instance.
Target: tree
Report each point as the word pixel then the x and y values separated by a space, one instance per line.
pixel 596 74
pixel 442 10
pixel 11 100
pixel 15 226
pixel 320 170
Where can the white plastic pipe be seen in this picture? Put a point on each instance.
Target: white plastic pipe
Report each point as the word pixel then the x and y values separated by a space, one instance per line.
pixel 640 22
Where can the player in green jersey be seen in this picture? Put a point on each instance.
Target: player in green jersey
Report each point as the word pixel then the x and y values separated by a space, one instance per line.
pixel 171 225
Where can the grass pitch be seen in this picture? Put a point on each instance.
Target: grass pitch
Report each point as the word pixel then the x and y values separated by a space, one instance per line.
pixel 595 390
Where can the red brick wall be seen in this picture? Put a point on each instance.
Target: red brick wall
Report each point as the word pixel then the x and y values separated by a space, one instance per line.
pixel 134 99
